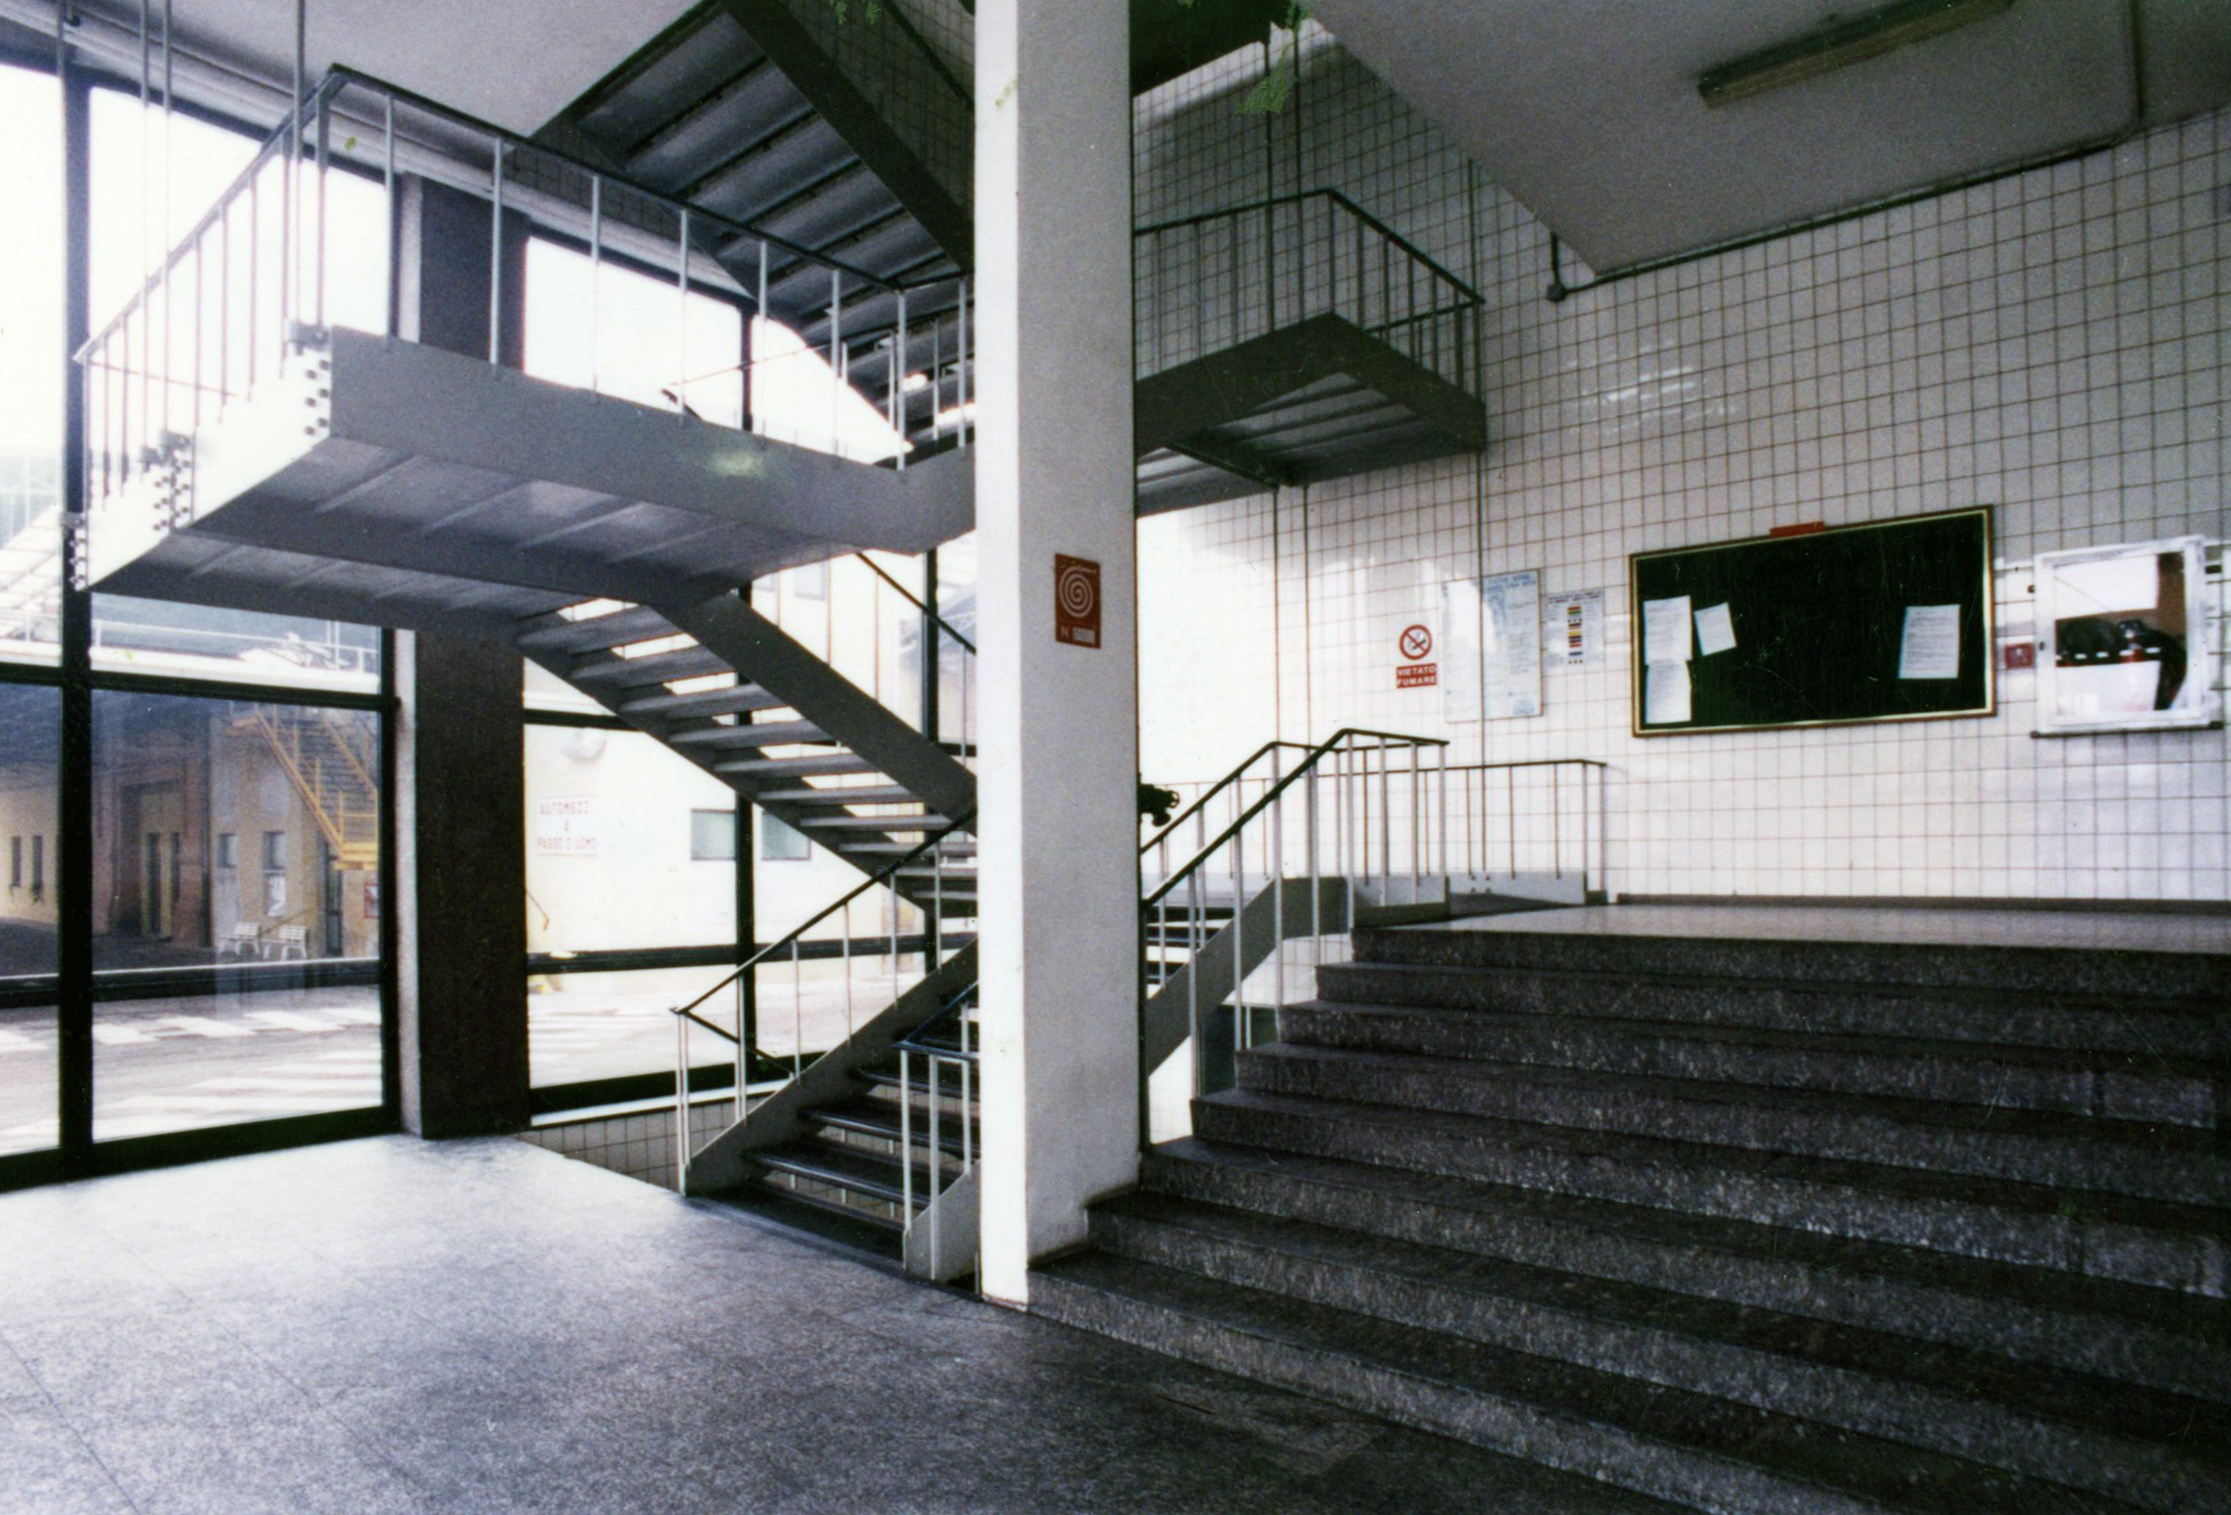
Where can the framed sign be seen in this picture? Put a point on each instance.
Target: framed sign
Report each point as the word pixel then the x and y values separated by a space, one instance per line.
pixel 2122 638
pixel 1883 621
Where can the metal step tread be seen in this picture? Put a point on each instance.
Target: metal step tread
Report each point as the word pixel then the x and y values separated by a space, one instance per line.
pixel 815 766
pixel 831 794
pixel 763 734
pixel 866 1115
pixel 741 699
pixel 844 1167
pixel 556 633
pixel 652 668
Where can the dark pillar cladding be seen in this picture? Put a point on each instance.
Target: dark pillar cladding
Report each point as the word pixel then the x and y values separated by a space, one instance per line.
pixel 460 785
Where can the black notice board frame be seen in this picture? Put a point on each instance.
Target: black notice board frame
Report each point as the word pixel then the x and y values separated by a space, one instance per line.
pixel 1819 621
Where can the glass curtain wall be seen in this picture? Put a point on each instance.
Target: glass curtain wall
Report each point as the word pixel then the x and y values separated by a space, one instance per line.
pixel 217 775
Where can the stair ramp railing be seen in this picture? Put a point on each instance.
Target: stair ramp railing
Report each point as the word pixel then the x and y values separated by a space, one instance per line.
pixel 1369 835
pixel 1208 282
pixel 795 949
pixel 252 283
pixel 945 1049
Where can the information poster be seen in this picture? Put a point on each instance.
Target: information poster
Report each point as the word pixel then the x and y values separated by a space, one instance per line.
pixel 1573 629
pixel 1491 631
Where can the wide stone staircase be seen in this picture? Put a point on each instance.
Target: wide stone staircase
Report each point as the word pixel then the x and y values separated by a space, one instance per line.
pixel 1740 1224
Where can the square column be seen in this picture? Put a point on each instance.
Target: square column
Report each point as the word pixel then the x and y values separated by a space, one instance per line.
pixel 1057 808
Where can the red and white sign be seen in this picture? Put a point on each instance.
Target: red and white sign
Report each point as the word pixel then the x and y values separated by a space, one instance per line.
pixel 1413 672
pixel 1076 601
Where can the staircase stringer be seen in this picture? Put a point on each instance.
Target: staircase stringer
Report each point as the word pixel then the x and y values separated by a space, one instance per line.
pixel 775 661
pixel 1251 937
pixel 725 1161
pixel 747 788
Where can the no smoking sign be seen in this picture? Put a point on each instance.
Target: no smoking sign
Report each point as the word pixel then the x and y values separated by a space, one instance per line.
pixel 1412 671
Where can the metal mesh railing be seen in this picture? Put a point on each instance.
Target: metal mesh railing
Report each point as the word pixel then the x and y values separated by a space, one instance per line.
pixel 1212 281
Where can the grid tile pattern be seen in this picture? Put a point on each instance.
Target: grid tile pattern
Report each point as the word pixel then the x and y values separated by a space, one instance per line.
pixel 2051 343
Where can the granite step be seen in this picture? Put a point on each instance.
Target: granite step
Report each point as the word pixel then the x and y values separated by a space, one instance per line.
pixel 2117 1086
pixel 2159 1451
pixel 2151 1161
pixel 2057 970
pixel 2099 1235
pixel 1665 1442
pixel 2166 1028
pixel 2144 1336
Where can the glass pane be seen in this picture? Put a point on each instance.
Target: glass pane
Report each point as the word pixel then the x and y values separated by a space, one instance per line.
pixel 176 1064
pixel 29 741
pixel 635 351
pixel 295 787
pixel 189 163
pixel 611 860
pixel 31 366
pixel 588 1026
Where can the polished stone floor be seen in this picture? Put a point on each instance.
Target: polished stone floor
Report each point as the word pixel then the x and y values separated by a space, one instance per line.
pixel 389 1326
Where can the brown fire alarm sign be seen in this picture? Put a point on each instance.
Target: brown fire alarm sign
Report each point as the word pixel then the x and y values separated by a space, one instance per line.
pixel 1076 601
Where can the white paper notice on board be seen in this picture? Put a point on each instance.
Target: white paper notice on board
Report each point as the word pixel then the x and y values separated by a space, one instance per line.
pixel 1715 629
pixel 1665 694
pixel 1665 630
pixel 1930 648
pixel 1511 649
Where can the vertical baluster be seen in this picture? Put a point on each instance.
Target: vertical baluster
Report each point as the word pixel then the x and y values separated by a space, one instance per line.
pixel 836 360
pixel 960 409
pixel 596 273
pixel 1417 815
pixel 906 1138
pixel 681 317
pixel 201 261
pixel 255 263
pixel 1386 819
pixel 1557 818
pixel 1278 880
pixel 933 1170
pixel 325 152
pixel 681 1103
pixel 797 1013
pixel 899 366
pixel 496 251
pixel 1510 816
pixel 387 193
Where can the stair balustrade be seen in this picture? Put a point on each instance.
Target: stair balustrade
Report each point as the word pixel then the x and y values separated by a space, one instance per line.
pixel 1213 281
pixel 792 949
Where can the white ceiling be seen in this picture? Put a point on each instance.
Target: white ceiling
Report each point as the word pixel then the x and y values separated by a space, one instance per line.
pixel 1588 111
pixel 513 62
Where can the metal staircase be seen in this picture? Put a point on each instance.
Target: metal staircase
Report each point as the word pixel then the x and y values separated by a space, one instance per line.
pixel 331 768
pixel 729 690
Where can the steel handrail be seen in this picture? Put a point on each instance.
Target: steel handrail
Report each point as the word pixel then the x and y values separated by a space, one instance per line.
pixel 912 599
pixel 952 1008
pixel 1387 741
pixel 1210 793
pixel 697 213
pixel 1366 217
pixel 281 137
pixel 880 877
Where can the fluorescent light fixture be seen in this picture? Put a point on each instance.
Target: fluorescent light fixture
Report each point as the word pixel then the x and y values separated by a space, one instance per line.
pixel 1840 43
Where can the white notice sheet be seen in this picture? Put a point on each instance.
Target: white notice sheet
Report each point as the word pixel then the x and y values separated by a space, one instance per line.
pixel 1931 646
pixel 1665 630
pixel 1665 694
pixel 1715 629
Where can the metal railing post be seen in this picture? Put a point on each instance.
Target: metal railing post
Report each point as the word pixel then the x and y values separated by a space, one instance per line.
pixel 596 271
pixel 681 319
pixel 496 253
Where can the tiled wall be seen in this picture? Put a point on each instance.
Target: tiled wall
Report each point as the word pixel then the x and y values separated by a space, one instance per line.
pixel 2051 344
pixel 640 1145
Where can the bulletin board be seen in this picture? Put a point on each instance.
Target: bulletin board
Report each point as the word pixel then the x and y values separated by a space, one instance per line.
pixel 1882 621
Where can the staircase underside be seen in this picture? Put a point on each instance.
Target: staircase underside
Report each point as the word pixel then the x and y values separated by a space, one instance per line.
pixel 399 485
pixel 1316 400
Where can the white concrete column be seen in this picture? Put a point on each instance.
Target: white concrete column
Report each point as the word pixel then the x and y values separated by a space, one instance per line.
pixel 1057 816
